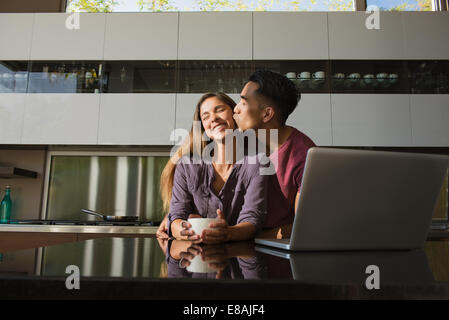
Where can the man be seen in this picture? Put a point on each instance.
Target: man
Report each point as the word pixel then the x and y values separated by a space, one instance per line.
pixel 266 102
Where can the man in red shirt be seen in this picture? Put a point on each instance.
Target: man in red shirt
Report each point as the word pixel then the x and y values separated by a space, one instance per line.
pixel 266 102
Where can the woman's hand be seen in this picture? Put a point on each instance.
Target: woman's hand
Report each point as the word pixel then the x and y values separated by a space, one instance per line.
pixel 219 230
pixel 162 231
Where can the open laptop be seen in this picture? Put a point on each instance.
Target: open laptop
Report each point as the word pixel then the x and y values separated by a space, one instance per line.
pixel 364 200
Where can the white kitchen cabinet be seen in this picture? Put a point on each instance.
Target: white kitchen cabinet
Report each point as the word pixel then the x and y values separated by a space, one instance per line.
pixel 312 116
pixel 430 120
pixel 290 35
pixel 60 119
pixel 141 36
pixel 349 38
pixel 15 35
pixel 371 120
pixel 215 35
pixel 52 40
pixel 12 106
pixel 185 107
pixel 136 119
pixel 425 35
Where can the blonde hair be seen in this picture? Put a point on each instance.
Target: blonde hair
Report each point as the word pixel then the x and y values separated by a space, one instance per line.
pixel 186 149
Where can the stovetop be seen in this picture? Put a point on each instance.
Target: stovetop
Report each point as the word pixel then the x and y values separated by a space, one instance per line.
pixel 82 223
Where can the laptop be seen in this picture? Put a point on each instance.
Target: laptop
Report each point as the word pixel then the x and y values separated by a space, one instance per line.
pixel 337 267
pixel 364 200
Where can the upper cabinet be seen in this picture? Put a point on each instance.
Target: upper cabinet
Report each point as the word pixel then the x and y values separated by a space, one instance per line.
pixel 56 36
pixel 15 35
pixel 11 117
pixel 141 36
pixel 349 37
pixel 426 35
pixel 292 35
pixel 215 35
pixel 371 120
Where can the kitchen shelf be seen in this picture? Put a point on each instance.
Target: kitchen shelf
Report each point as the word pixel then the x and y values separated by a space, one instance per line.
pixel 16 173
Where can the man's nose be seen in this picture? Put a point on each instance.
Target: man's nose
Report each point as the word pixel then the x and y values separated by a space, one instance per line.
pixel 237 109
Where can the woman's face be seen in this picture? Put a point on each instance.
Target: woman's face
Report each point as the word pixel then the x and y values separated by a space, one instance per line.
pixel 216 117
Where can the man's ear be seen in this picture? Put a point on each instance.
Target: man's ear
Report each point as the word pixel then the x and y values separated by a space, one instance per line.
pixel 268 114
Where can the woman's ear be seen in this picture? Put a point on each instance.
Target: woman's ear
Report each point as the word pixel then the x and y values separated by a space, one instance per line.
pixel 268 114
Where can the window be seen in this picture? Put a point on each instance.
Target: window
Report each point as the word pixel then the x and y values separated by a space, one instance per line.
pixel 402 5
pixel 207 5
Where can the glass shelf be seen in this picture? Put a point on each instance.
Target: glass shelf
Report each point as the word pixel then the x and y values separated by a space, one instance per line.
pixel 200 76
pixel 430 77
pixel 13 76
pixel 308 76
pixel 139 77
pixel 369 76
pixel 213 75
pixel 65 77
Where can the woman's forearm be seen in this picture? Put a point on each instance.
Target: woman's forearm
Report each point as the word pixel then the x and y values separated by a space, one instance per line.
pixel 242 231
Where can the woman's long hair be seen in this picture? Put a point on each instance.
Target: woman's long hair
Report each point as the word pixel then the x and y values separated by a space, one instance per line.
pixel 187 148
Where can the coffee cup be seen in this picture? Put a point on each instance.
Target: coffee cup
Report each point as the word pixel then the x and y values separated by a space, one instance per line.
pixel 200 224
pixel 319 75
pixel 291 75
pixel 368 78
pixel 354 76
pixel 381 77
pixel 305 75
pixel 197 265
pixel 393 77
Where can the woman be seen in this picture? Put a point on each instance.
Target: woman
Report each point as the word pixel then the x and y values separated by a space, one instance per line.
pixel 232 192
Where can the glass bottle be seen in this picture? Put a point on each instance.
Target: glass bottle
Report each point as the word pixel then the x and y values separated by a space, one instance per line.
pixel 5 206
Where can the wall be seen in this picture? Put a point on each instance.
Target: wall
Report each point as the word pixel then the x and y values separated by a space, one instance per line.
pixel 25 193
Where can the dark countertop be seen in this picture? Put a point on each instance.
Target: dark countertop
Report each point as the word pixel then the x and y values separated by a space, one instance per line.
pixel 146 268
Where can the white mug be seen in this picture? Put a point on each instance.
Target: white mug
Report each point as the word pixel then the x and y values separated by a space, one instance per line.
pixel 339 76
pixel 354 76
pixel 393 77
pixel 197 265
pixel 305 75
pixel 381 76
pixel 368 78
pixel 291 75
pixel 200 224
pixel 319 75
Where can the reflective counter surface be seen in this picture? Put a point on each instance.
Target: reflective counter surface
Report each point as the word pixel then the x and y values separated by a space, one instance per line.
pixel 135 267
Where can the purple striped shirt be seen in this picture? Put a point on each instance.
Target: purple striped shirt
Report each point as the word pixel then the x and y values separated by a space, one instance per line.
pixel 242 198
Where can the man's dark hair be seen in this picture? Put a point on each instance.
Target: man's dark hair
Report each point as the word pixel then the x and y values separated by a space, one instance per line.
pixel 279 90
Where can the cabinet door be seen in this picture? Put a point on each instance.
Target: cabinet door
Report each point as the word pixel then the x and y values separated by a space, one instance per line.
pixel 141 36
pixel 349 38
pixel 430 120
pixel 15 34
pixel 312 116
pixel 215 35
pixel 426 35
pixel 12 106
pixel 136 119
pixel 53 40
pixel 290 35
pixel 61 119
pixel 371 120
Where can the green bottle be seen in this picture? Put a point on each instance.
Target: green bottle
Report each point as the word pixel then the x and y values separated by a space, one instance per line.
pixel 5 206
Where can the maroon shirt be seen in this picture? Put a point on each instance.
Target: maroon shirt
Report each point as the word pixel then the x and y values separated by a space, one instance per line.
pixel 289 163
pixel 242 198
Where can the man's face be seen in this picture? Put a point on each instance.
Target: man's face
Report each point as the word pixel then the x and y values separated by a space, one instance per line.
pixel 248 113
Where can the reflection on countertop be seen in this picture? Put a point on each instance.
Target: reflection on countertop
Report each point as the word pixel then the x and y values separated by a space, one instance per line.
pixel 152 258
